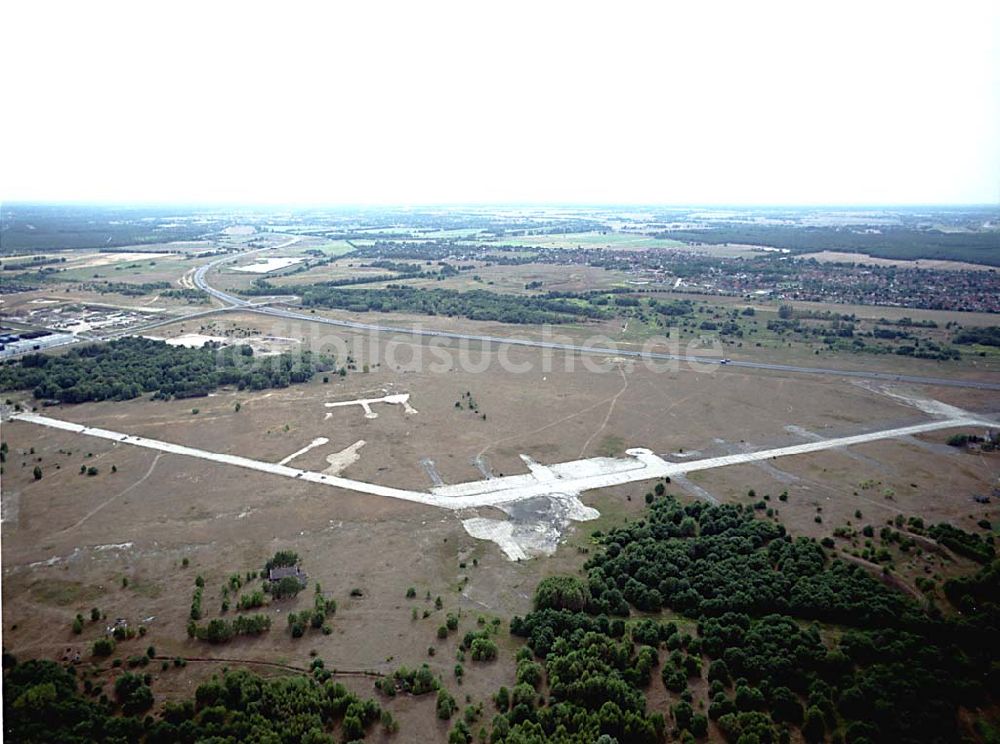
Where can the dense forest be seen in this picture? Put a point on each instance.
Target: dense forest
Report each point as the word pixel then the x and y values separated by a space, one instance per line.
pixel 878 668
pixel 128 367
pixel 890 242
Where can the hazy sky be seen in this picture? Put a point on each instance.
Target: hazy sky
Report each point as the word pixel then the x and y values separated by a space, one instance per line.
pixel 417 102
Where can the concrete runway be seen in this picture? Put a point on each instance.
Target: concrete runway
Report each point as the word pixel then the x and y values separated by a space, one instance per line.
pixel 567 479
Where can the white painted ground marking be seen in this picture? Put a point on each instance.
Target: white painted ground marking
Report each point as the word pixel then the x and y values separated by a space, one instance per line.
pixel 398 399
pixel 314 443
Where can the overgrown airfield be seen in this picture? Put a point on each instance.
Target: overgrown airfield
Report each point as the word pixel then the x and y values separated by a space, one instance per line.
pixel 69 539
pixel 132 538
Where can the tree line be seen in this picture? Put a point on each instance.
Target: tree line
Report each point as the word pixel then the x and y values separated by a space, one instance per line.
pixel 475 304
pixel 129 289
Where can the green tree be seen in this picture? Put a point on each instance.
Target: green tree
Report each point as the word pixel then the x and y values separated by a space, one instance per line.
pixel 502 699
pixel 785 706
pixel 682 713
pixel 133 693
pixel 288 586
pixel 562 592
pixel 814 727
pixel 446 705
pixel 699 725
pixel 353 728
pixel 460 734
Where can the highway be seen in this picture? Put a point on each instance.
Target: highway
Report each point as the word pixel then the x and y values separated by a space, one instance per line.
pixel 225 297
pixel 238 302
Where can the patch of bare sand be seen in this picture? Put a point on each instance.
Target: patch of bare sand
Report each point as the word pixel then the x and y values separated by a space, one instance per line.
pixel 338 461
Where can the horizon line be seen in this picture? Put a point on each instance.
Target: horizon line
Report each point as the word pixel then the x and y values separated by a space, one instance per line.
pixel 305 204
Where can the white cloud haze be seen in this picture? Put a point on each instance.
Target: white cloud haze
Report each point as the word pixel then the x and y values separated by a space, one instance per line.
pixel 857 102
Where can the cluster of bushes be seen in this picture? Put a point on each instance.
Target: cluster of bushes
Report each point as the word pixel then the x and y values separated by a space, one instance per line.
pixel 287 586
pixel 30 263
pixel 10 286
pixel 187 294
pixel 199 590
pixel 220 630
pixel 281 559
pixel 251 601
pixel 43 703
pixel 414 681
pixel 129 289
pixel 133 693
pixel 479 645
pixel 128 367
pixel 963 543
pixel 987 444
pixel 446 704
pixel 103 647
pixel 978 597
pixel 315 618
pixel 929 350
pixel 985 336
pixel 961 440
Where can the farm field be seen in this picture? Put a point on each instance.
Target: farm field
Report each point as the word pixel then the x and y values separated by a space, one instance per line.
pixel 592 240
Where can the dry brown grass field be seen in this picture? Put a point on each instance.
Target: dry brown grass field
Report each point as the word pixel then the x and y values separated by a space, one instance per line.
pixel 70 539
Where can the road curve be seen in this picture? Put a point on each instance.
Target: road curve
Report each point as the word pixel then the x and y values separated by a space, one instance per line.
pixel 225 297
pixel 239 302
